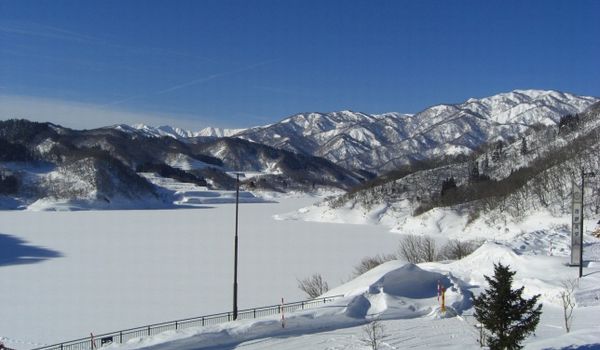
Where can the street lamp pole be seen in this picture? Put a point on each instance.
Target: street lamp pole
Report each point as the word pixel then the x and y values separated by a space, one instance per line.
pixel 235 259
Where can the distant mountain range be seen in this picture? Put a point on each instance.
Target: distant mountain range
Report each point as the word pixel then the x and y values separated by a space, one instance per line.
pixel 100 167
pixel 502 182
pixel 173 132
pixel 379 143
pixel 303 152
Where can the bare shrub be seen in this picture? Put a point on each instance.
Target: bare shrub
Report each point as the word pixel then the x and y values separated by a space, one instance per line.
pixel 417 249
pixel 313 286
pixel 567 296
pixel 409 248
pixel 369 262
pixel 428 249
pixel 373 334
pixel 455 250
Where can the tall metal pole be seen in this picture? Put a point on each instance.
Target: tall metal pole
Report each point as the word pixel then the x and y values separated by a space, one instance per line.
pixel 581 229
pixel 235 261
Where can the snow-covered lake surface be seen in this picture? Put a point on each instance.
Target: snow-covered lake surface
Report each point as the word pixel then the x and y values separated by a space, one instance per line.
pixel 66 274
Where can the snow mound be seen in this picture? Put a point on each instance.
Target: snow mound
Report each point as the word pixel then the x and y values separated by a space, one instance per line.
pixel 490 253
pixel 410 281
pixel 405 292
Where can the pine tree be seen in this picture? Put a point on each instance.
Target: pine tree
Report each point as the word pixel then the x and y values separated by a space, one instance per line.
pixel 474 171
pixel 447 185
pixel 486 163
pixel 498 152
pixel 504 312
pixel 524 149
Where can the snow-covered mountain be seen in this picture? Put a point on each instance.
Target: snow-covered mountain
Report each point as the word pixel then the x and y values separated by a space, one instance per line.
pixel 217 132
pixel 100 167
pixel 383 142
pixel 504 181
pixel 282 170
pixel 176 133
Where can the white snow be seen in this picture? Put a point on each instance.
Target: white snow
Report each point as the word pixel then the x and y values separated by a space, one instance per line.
pixel 121 269
pixel 404 298
pixel 66 274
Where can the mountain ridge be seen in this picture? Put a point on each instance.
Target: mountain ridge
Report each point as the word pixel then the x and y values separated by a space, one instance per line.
pixel 383 142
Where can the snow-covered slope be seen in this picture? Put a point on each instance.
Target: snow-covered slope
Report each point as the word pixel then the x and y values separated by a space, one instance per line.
pixel 283 170
pixel 505 182
pixel 217 132
pixel 174 132
pixel 383 142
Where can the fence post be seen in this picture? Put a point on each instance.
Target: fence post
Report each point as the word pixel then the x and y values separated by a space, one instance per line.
pixel 120 337
pixel 254 311
pixel 203 321
pixel 302 305
pixel 176 325
pixel 148 330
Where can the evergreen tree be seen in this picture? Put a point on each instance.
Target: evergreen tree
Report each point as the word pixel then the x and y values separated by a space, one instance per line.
pixel 474 171
pixel 504 312
pixel 498 152
pixel 447 185
pixel 524 149
pixel 486 163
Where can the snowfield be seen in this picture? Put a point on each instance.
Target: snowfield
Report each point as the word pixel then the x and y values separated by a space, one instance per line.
pixel 66 274
pixel 403 297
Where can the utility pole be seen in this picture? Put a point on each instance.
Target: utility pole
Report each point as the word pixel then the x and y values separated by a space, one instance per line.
pixel 235 259
pixel 583 176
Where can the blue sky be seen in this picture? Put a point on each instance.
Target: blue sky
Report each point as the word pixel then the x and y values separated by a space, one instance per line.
pixel 250 62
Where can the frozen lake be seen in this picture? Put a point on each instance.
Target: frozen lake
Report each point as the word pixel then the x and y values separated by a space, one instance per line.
pixel 66 274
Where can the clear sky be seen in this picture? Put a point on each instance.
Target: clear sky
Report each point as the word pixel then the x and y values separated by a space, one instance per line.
pixel 192 64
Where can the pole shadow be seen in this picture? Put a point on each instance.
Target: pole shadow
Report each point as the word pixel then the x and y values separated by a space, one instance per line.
pixel 15 251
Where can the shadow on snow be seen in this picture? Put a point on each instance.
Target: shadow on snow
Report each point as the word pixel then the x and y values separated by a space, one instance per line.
pixel 15 251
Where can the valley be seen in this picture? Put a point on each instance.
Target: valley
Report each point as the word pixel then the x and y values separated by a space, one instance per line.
pixel 121 226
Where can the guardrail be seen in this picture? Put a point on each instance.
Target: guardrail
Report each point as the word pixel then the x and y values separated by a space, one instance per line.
pixel 97 341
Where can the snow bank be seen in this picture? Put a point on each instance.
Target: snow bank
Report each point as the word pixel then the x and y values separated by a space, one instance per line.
pixel 394 290
pixel 537 273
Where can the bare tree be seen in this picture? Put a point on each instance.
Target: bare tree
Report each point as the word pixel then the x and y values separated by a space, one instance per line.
pixel 417 249
pixel 455 250
pixel 313 286
pixel 369 262
pixel 409 248
pixel 428 249
pixel 567 296
pixel 373 334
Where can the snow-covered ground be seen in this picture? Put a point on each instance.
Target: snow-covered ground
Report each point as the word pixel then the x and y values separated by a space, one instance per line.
pixel 190 195
pixel 66 274
pixel 403 297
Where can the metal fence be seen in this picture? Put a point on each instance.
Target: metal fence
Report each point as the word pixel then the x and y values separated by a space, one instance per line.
pixel 97 341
